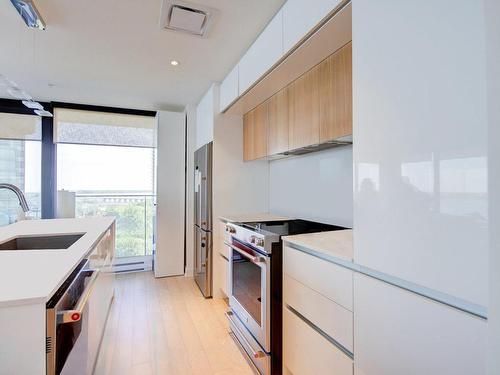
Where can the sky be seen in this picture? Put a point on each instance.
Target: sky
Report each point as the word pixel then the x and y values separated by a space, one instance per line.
pixel 85 167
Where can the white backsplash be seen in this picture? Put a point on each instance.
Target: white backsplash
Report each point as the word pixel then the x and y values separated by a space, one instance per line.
pixel 316 186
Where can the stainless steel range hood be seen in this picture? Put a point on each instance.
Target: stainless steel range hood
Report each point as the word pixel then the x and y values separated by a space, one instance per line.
pixel 341 141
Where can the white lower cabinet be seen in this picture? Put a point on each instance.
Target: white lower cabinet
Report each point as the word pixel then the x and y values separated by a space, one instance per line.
pixel 305 351
pixel 101 259
pixel 317 315
pixel 399 332
pixel 223 269
pixel 333 319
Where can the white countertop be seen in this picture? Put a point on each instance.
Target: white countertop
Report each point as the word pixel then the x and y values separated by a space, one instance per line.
pixel 249 218
pixel 336 243
pixel 32 276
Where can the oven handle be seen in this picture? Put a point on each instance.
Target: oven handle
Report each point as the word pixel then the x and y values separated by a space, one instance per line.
pixel 251 258
pixel 256 355
pixel 74 315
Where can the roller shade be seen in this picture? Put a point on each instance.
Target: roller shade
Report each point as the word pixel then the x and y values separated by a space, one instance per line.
pixel 102 128
pixel 20 127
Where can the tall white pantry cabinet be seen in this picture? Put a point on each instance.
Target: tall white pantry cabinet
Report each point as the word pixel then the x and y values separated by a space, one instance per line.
pixel 420 154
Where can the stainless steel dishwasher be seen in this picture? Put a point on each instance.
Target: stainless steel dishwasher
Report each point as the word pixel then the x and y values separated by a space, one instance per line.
pixel 67 342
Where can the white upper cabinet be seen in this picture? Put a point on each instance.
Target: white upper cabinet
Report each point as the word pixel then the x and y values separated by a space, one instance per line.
pixel 229 89
pixel 398 332
pixel 420 136
pixel 263 54
pixel 300 16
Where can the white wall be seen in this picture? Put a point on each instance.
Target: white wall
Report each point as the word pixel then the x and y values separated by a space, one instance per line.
pixel 169 258
pixel 493 79
pixel 205 119
pixel 316 186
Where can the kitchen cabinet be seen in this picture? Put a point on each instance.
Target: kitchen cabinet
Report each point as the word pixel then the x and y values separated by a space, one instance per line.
pixel 229 89
pixel 278 123
pixel 306 351
pixel 300 17
pixel 262 55
pixel 335 95
pixel 315 108
pixel 399 332
pixel 223 267
pixel 317 315
pixel 416 152
pixel 255 125
pixel 313 271
pixel 304 118
pixel 101 259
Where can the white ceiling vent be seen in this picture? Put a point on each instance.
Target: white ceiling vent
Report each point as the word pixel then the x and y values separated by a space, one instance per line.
pixel 194 19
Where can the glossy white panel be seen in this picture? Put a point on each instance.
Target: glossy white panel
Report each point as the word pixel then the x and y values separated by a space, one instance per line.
pixel 398 332
pixel 169 256
pixel 205 119
pixel 229 88
pixel 493 74
pixel 420 144
pixel 316 186
pixel 299 17
pixel 263 54
pixel 22 329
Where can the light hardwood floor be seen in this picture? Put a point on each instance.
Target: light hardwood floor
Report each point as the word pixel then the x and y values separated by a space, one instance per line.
pixel 165 326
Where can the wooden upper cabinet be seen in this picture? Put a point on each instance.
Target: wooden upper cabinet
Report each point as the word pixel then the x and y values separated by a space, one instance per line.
pixel 248 138
pixel 335 95
pixel 277 141
pixel 255 124
pixel 315 108
pixel 304 111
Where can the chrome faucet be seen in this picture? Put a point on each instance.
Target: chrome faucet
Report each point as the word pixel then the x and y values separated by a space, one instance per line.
pixel 19 193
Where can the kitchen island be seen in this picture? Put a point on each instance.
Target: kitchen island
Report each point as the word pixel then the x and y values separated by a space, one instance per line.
pixel 29 278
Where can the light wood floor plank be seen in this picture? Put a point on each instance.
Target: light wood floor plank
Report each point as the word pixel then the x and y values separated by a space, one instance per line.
pixel 165 326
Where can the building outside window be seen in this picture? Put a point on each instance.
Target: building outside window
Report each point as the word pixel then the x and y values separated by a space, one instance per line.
pixel 20 164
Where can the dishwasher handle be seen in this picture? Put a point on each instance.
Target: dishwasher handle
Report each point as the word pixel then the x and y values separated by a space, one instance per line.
pixel 74 315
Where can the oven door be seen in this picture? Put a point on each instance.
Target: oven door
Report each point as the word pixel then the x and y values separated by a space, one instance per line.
pixel 249 290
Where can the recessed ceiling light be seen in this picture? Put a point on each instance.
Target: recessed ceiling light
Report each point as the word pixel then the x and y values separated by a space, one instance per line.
pixel 174 62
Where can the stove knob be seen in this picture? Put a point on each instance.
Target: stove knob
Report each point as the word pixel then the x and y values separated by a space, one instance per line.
pixel 257 241
pixel 230 229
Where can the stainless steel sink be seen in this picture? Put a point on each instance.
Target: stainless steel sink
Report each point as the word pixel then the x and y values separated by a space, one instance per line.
pixel 60 242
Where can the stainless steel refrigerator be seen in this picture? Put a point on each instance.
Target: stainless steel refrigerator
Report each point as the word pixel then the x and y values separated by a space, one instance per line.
pixel 203 219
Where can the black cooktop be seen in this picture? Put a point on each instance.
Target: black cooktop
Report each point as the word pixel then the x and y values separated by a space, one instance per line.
pixel 290 227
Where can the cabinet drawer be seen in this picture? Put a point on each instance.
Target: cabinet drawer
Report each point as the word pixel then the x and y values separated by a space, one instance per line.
pixel 306 352
pixel 332 281
pixel 330 317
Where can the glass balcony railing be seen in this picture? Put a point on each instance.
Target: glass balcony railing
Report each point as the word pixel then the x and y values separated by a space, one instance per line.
pixel 135 217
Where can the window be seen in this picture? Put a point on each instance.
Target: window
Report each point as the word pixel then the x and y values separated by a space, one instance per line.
pixel 20 164
pixel 108 161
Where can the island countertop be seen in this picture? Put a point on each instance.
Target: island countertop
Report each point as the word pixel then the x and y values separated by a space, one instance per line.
pixel 33 276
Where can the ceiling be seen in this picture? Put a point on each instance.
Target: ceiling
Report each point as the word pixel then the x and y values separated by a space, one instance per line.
pixel 113 52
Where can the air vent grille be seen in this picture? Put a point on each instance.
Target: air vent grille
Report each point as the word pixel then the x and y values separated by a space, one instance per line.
pixel 48 345
pixel 181 16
